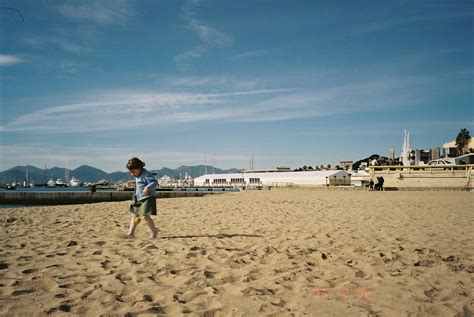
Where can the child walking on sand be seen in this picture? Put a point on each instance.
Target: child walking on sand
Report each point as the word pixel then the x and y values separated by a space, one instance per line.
pixel 144 200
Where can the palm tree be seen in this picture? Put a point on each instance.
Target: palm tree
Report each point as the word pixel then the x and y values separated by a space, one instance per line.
pixel 462 141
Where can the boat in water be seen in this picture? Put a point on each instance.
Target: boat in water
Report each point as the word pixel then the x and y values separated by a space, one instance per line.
pixel 74 182
pixel 51 183
pixel 60 183
pixel 11 186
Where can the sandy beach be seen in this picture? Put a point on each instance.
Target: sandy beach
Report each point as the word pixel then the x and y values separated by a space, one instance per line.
pixel 284 252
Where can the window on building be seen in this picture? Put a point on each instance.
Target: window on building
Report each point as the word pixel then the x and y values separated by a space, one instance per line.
pixel 254 180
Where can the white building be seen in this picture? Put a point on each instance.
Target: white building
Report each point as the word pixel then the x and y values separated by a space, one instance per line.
pixel 451 150
pixel 346 165
pixel 274 178
pixel 359 178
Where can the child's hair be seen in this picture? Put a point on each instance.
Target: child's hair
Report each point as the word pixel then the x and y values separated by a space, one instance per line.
pixel 135 163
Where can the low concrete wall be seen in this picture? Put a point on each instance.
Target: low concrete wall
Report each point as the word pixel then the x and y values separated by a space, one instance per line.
pixel 67 198
pixel 449 177
pixel 434 181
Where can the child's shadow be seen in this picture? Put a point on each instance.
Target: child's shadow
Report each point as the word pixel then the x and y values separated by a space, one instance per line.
pixel 218 236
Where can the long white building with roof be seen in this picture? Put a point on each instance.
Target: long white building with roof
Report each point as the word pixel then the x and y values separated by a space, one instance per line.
pixel 276 178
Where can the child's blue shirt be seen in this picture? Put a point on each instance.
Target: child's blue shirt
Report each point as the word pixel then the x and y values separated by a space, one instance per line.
pixel 145 180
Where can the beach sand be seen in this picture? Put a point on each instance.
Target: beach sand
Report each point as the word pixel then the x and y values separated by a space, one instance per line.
pixel 284 252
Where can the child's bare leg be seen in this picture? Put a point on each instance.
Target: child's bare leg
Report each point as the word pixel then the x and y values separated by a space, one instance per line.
pixel 151 224
pixel 133 225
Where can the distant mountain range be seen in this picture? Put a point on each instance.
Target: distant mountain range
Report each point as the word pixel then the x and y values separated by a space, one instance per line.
pixel 91 174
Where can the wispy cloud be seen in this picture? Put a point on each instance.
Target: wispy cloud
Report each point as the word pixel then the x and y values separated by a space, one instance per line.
pixel 123 110
pixel 63 43
pixel 183 61
pixel 100 12
pixel 7 60
pixel 254 53
pixel 216 82
pixel 338 100
pixel 69 67
pixel 378 26
pixel 209 37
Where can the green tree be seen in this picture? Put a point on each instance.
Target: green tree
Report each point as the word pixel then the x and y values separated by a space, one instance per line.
pixel 462 141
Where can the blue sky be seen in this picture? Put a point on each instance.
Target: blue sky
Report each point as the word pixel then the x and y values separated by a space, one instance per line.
pixel 294 82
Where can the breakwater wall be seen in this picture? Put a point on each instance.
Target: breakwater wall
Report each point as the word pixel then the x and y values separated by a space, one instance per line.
pixel 68 198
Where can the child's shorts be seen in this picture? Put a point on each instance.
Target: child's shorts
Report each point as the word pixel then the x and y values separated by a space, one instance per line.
pixel 143 207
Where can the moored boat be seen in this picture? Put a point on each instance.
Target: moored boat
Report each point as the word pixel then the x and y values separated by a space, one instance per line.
pixel 60 183
pixel 74 182
pixel 51 183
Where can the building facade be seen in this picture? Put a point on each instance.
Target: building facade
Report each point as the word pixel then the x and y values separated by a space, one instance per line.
pixel 346 165
pixel 276 179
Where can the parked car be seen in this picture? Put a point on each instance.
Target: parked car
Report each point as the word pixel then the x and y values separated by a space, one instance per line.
pixel 439 162
pixel 465 159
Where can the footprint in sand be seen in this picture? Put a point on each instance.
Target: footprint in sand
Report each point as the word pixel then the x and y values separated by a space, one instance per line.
pixel 104 264
pixel 53 266
pixel 179 299
pixel 21 292
pixel 29 271
pixel 147 298
pixel 63 307
pixel 209 274
pixel 65 286
pixel 71 243
pixel 120 279
pixel 157 309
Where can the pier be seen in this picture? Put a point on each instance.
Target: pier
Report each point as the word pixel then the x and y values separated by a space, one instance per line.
pixel 68 198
